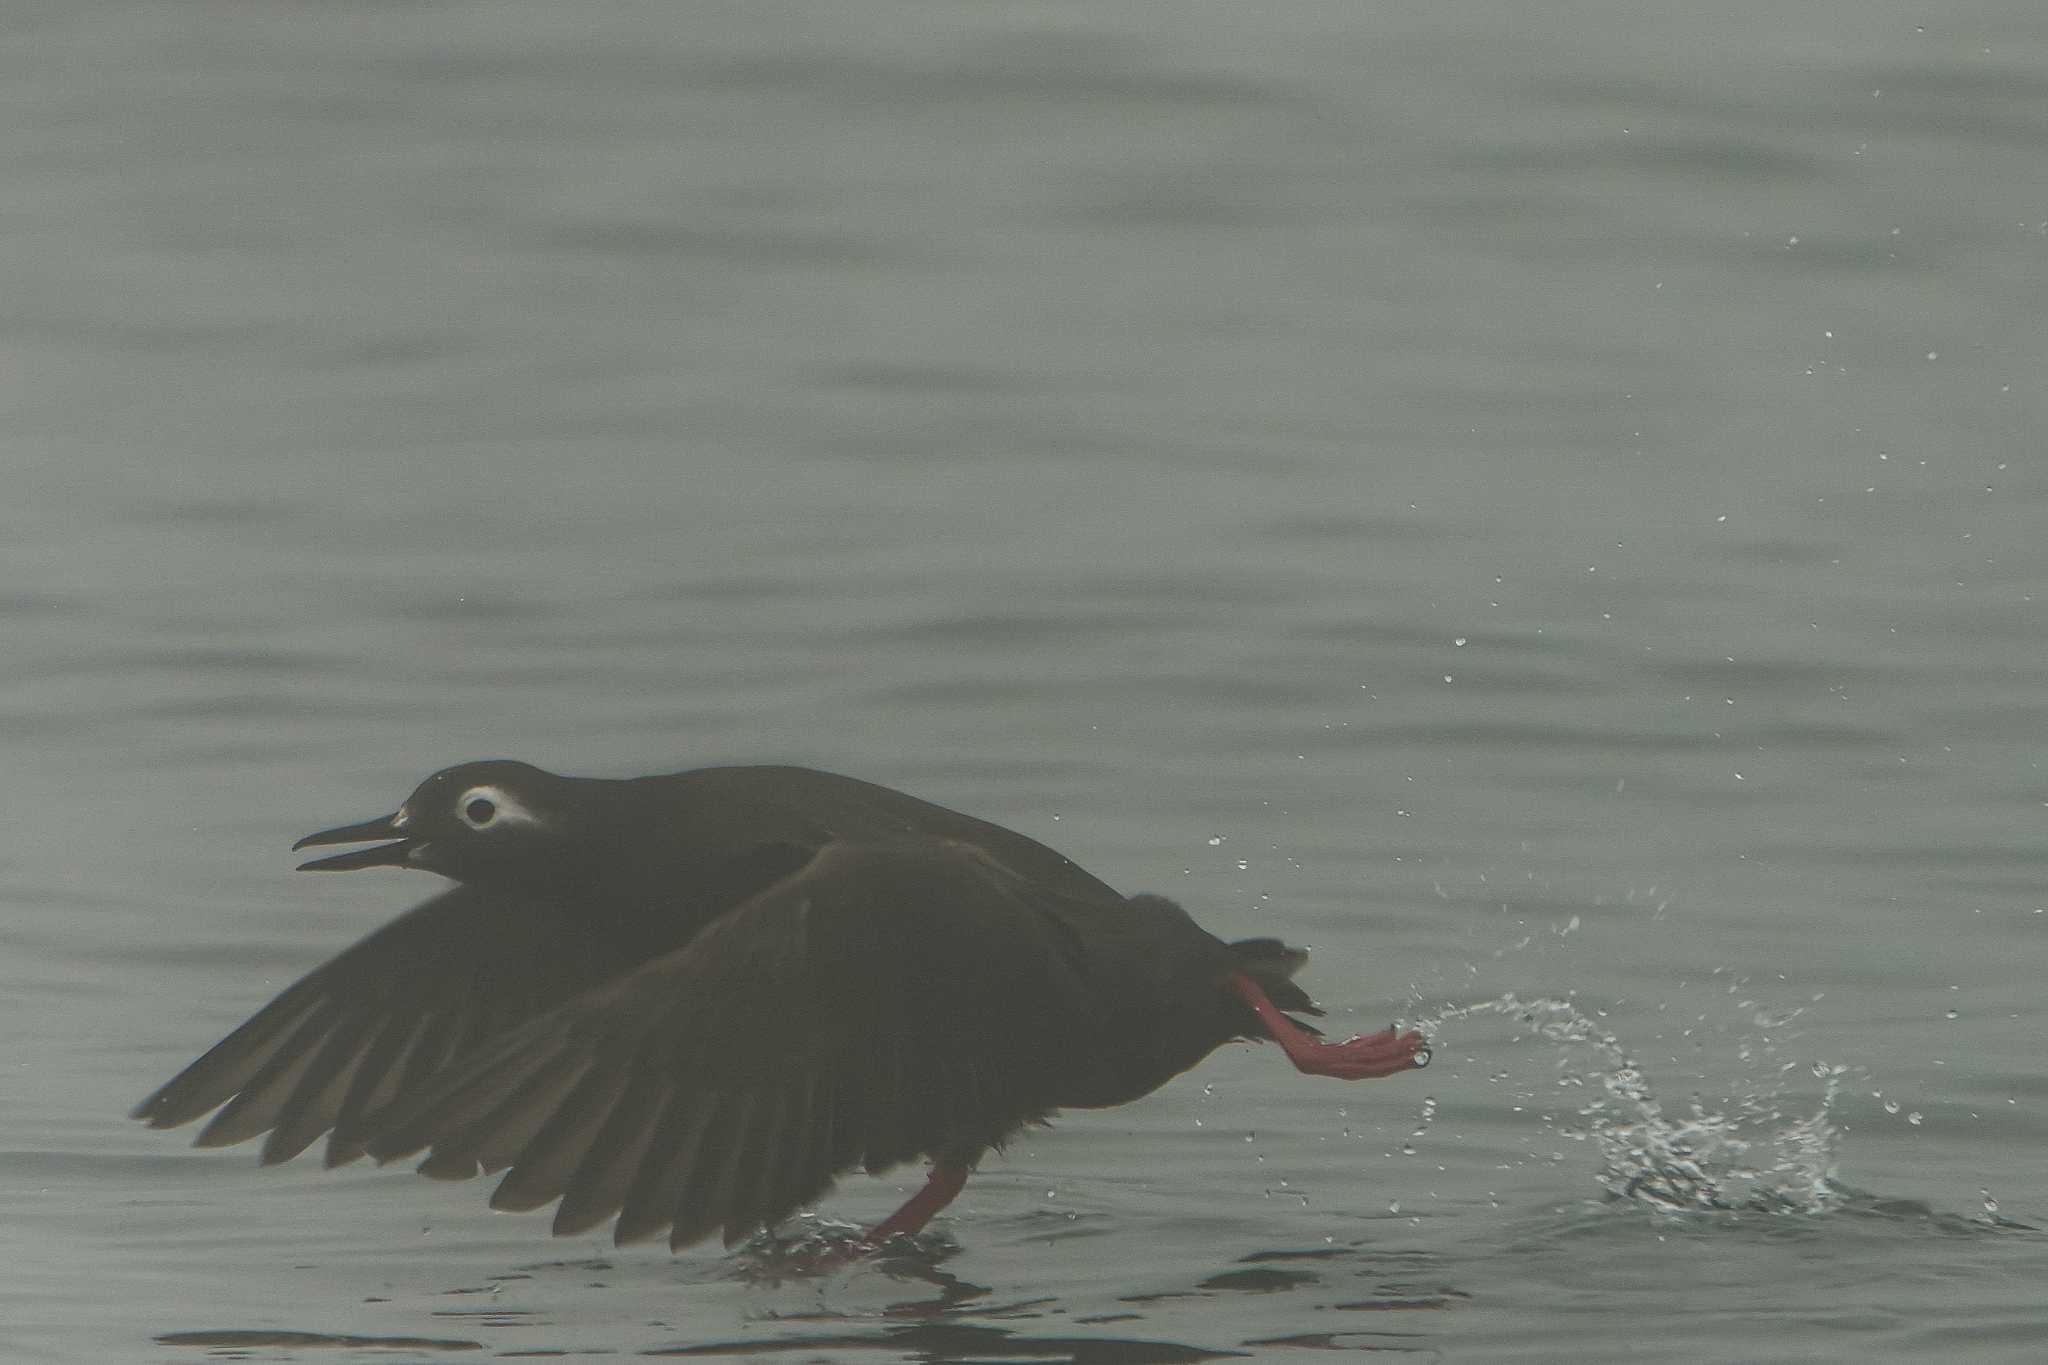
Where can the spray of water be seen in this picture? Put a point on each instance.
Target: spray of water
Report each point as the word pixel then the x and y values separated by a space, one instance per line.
pixel 1750 1155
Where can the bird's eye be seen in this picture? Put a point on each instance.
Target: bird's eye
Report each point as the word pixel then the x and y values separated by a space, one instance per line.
pixel 480 812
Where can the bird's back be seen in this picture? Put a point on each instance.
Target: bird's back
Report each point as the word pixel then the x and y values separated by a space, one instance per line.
pixel 702 841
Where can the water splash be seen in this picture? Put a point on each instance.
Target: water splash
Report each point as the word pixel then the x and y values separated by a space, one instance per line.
pixel 811 1245
pixel 1750 1156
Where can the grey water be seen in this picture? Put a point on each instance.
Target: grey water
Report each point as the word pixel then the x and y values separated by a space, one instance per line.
pixel 1542 504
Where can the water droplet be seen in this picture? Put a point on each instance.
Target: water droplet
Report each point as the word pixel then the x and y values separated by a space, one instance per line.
pixel 1215 840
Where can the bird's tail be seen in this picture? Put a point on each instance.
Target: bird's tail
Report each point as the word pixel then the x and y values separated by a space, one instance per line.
pixel 1273 964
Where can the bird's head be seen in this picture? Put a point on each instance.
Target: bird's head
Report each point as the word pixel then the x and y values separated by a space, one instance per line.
pixel 493 821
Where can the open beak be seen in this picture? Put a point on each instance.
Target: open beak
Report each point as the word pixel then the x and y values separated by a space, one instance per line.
pixel 383 855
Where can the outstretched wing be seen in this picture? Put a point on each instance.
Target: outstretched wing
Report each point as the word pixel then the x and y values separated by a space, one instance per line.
pixel 382 1017
pixel 882 1002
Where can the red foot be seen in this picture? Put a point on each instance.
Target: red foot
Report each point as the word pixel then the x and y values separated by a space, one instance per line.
pixel 1358 1059
pixel 940 1188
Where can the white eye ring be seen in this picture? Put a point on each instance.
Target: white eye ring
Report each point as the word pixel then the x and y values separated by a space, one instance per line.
pixel 481 807
pixel 485 806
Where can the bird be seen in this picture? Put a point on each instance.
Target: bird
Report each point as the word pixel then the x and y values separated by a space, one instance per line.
pixel 689 1003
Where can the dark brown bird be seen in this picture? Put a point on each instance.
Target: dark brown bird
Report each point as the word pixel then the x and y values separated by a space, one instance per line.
pixel 693 1001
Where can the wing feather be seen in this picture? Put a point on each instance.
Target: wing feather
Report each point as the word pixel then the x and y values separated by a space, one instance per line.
pixel 755 1154
pixel 549 1161
pixel 640 1213
pixel 315 1105
pixel 383 1015
pixel 260 1103
pixel 665 1172
pixel 376 1084
pixel 228 1065
pixel 598 1188
pixel 882 1002
pixel 707 1193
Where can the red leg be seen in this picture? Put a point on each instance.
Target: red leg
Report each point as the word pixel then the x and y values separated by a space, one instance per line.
pixel 940 1188
pixel 1379 1054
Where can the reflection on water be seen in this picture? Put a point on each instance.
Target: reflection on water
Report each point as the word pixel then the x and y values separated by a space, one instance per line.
pixel 237 1344
pixel 1413 1297
pixel 928 1313
pixel 963 1341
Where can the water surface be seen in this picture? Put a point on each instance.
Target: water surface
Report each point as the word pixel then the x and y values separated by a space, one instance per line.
pixel 1544 509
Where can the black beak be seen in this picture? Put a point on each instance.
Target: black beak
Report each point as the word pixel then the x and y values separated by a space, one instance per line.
pixel 383 855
